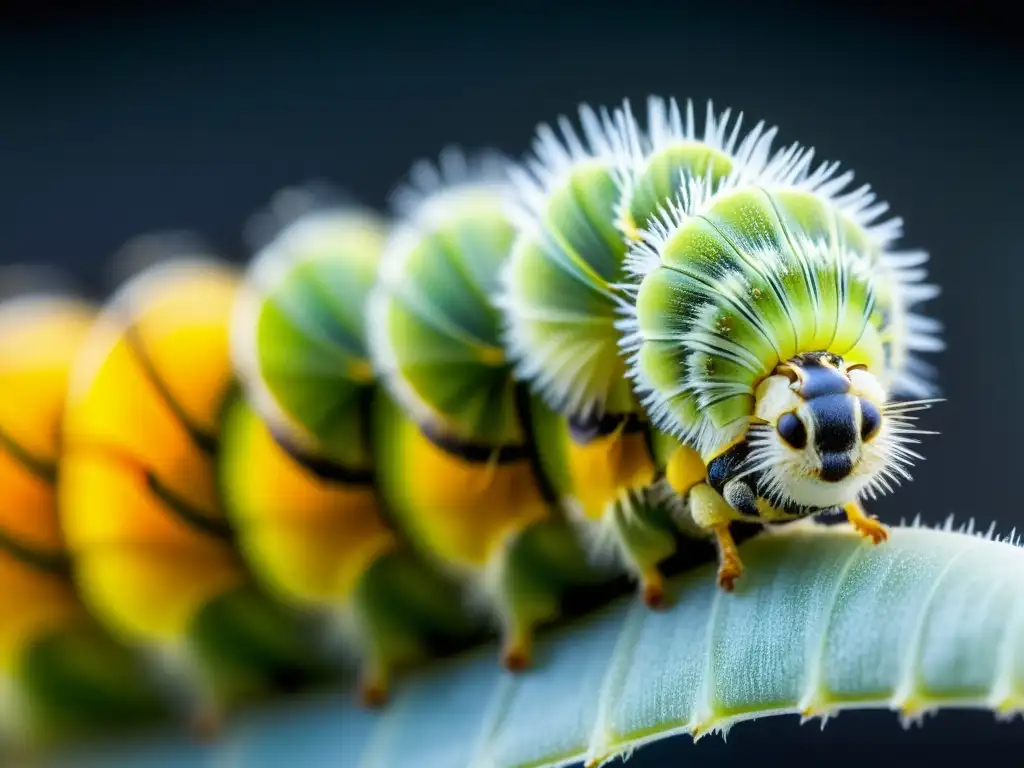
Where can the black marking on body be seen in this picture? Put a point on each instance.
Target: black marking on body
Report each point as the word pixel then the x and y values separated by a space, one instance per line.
pixel 870 419
pixel 523 402
pixel 325 469
pixel 727 465
pixel 585 430
pixel 473 452
pixel 835 467
pixel 207 443
pixel 40 468
pixel 57 563
pixel 184 511
pixel 819 375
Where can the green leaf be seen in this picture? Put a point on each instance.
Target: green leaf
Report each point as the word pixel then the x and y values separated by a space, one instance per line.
pixel 821 621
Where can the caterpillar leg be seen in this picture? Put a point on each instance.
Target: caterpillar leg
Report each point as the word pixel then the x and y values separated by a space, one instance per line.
pixel 533 573
pixel 206 723
pixel 402 610
pixel 517 648
pixel 711 512
pixel 374 685
pixel 864 524
pixel 652 588
pixel 644 543
pixel 687 474
pixel 730 566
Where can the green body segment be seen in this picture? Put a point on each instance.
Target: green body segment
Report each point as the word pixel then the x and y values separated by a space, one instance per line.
pixel 299 336
pixel 664 174
pixel 559 298
pixel 568 286
pixel 436 332
pixel 459 466
pixel 77 681
pixel 747 282
pixel 699 293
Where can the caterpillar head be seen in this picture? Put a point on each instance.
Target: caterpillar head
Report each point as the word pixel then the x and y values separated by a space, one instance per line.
pixel 826 434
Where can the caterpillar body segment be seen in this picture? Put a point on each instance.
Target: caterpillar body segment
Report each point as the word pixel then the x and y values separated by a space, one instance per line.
pixel 461 468
pixel 298 328
pixel 61 675
pixel 300 448
pixel 152 553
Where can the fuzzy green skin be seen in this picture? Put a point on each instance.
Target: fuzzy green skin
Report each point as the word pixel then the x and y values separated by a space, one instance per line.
pixel 77 681
pixel 436 331
pixel 310 329
pixel 740 289
pixel 406 612
pixel 560 294
pixel 247 647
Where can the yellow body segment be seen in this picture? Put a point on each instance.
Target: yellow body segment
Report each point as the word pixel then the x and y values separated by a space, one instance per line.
pixel 311 538
pixel 465 511
pixel 685 469
pixel 603 468
pixel 138 564
pixel 38 338
pixel 35 602
pixel 145 565
pixel 38 341
pixel 27 513
pixel 120 412
pixel 186 340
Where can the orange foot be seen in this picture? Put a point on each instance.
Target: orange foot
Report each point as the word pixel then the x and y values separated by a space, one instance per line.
pixel 730 565
pixel 516 656
pixel 729 570
pixel 652 590
pixel 373 693
pixel 206 725
pixel 864 524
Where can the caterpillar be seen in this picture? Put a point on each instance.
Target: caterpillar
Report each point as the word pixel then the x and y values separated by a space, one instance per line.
pixel 391 434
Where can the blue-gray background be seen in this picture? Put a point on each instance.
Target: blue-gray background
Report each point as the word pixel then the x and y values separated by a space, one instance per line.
pixel 115 122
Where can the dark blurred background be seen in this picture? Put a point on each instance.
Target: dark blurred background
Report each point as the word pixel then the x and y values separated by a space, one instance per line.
pixel 118 119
